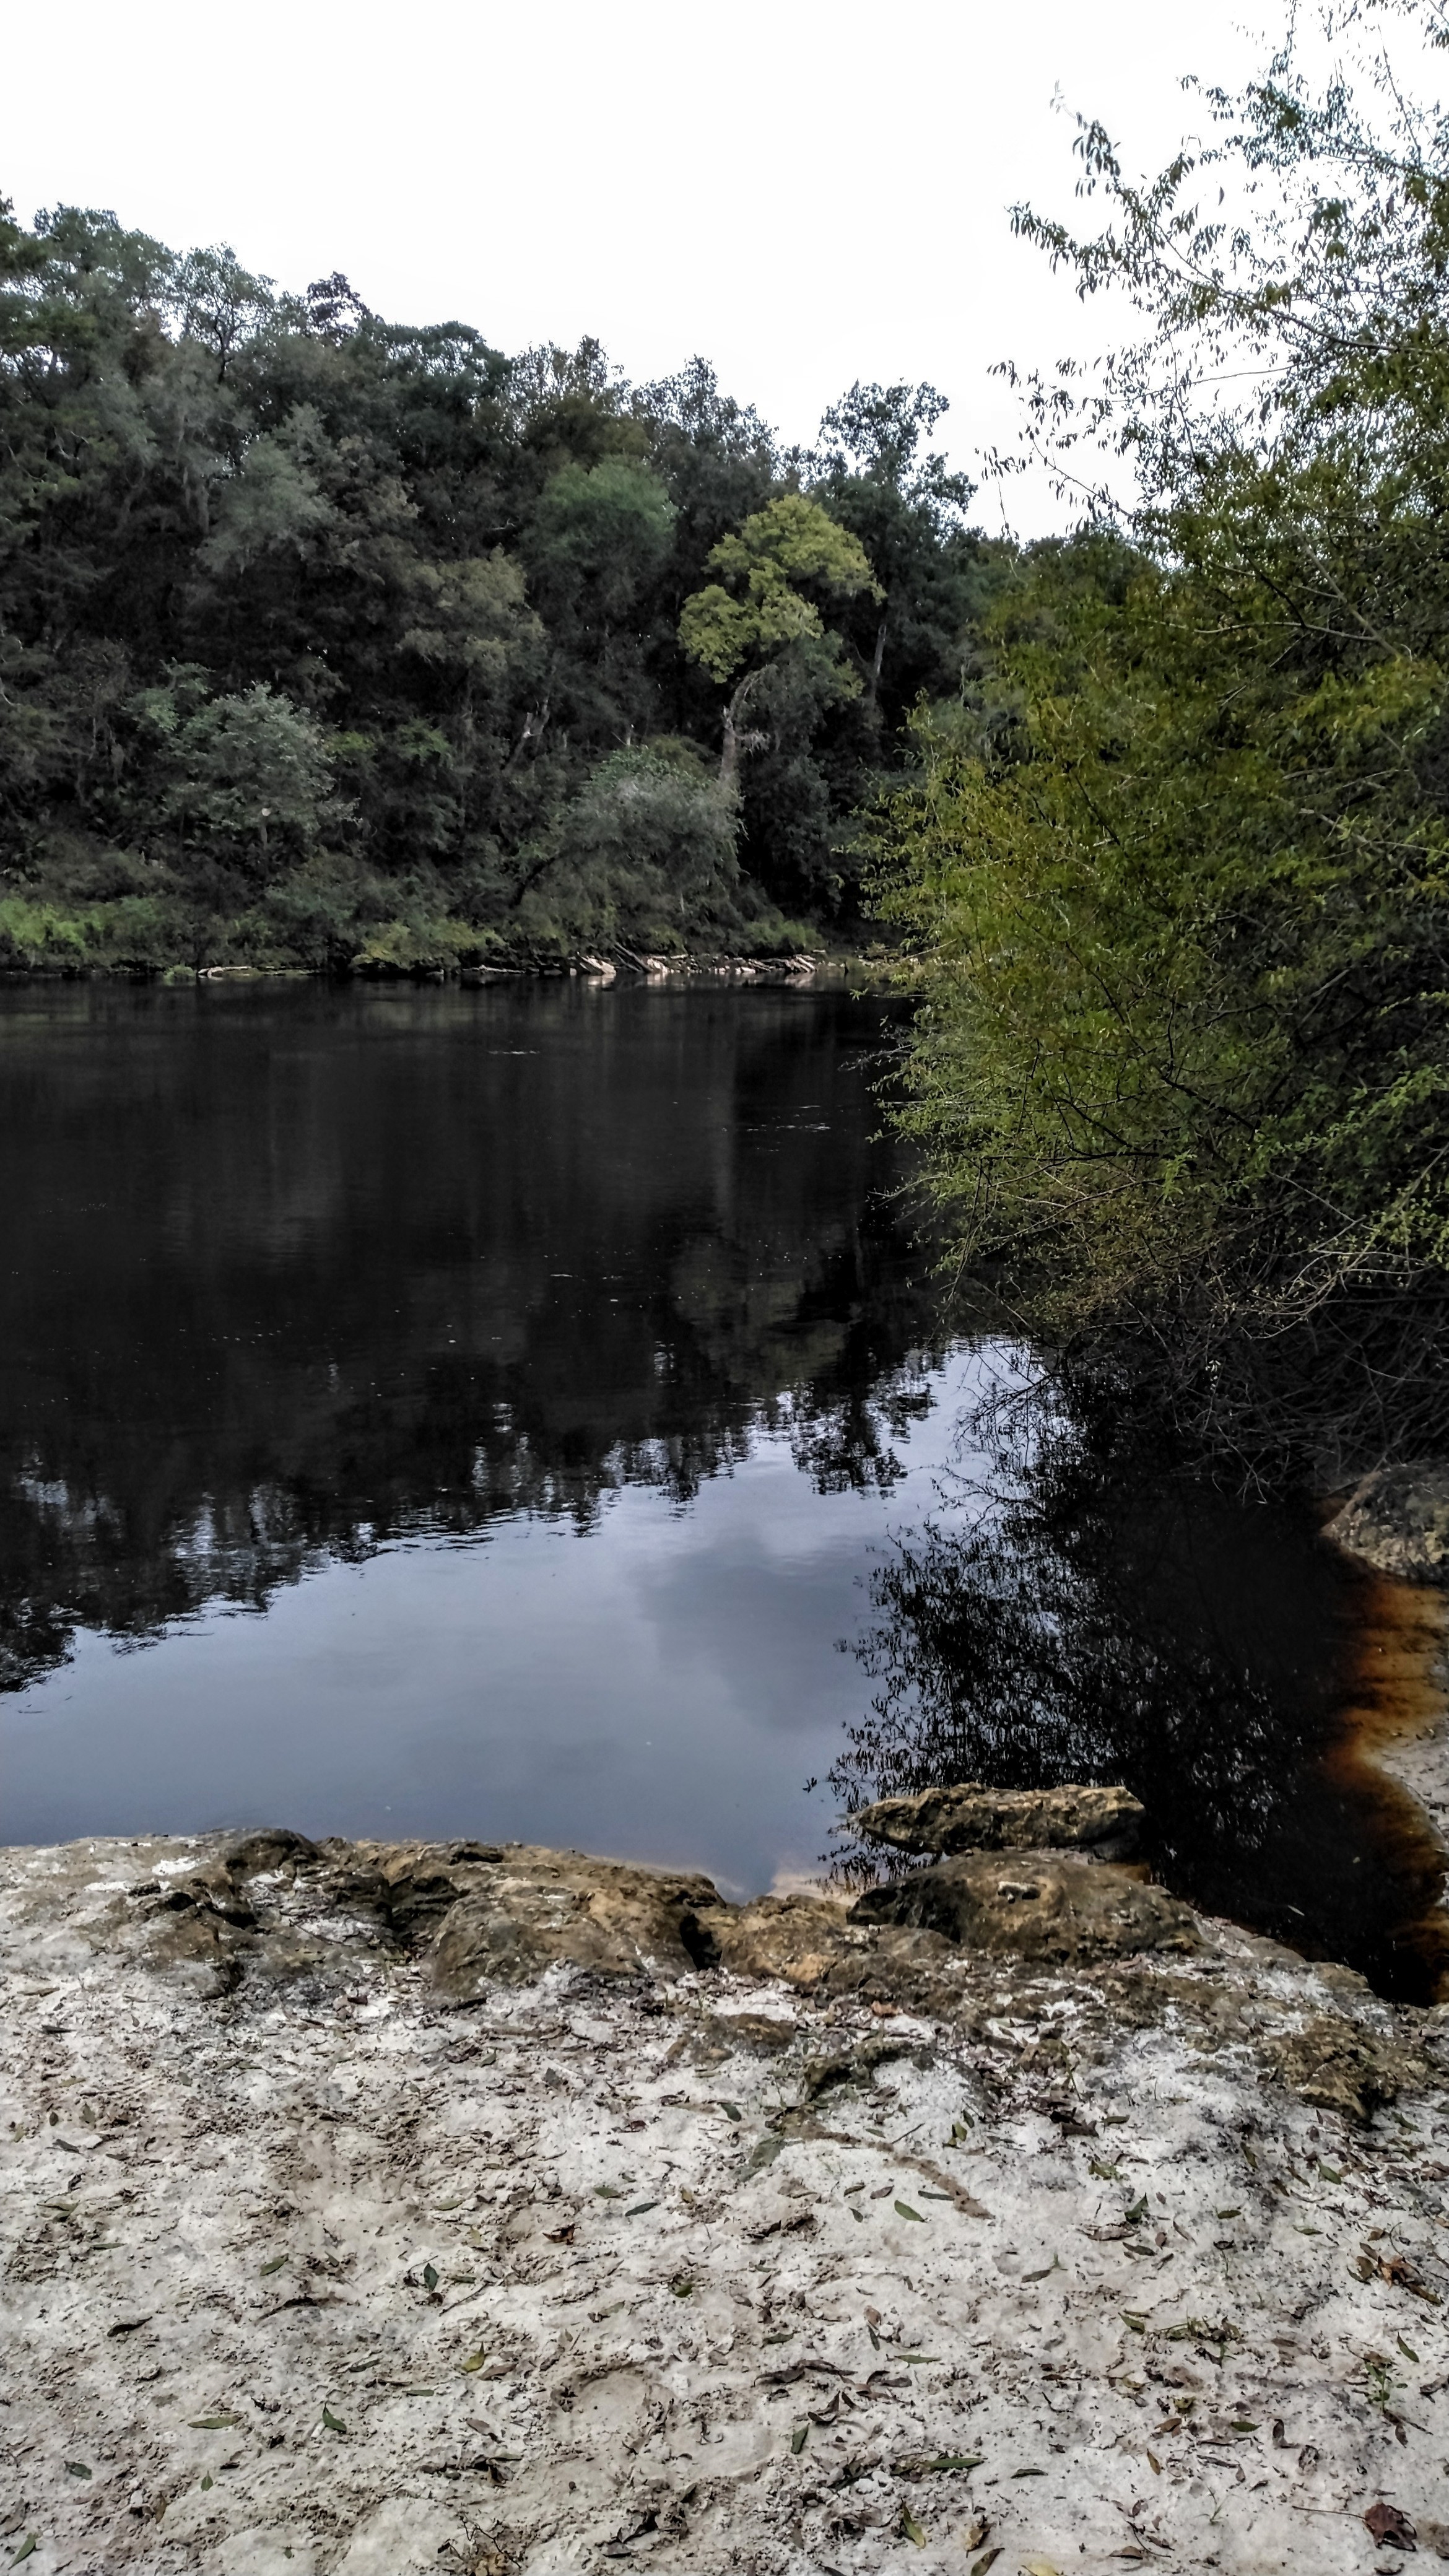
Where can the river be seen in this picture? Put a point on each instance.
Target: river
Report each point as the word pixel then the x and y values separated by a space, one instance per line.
pixel 528 1412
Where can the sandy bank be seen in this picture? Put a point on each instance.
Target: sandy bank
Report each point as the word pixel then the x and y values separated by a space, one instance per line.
pixel 380 2210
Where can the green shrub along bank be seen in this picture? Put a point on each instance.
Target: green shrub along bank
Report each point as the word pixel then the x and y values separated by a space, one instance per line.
pixel 327 641
pixel 1177 868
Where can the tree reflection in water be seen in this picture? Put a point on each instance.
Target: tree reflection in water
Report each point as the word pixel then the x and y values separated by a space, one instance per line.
pixel 1106 1614
pixel 299 1272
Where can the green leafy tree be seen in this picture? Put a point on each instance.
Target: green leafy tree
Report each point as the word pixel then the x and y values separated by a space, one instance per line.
pixel 244 774
pixel 645 852
pixel 600 535
pixel 761 609
pixel 1180 871
pixel 908 511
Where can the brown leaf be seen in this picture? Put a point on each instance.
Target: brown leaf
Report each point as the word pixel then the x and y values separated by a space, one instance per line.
pixel 1384 2522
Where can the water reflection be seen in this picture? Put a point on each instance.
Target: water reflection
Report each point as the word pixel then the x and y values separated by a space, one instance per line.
pixel 1098 1613
pixel 299 1273
pixel 487 1408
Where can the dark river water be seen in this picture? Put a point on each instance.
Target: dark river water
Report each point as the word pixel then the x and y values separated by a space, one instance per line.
pixel 527 1413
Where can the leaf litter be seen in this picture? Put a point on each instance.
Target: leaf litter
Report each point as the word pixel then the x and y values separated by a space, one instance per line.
pixel 750 2247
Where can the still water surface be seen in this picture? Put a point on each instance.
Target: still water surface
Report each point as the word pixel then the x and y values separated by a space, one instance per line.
pixel 526 1413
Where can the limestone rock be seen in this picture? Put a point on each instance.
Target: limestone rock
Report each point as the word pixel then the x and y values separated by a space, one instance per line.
pixel 970 1817
pixel 1398 1521
pixel 269 1848
pixel 799 1938
pixel 533 1908
pixel 180 1932
pixel 1340 2066
pixel 818 1945
pixel 420 1882
pixel 1044 1906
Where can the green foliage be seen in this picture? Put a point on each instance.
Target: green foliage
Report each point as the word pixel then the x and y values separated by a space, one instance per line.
pixel 601 535
pixel 644 853
pixel 1180 863
pixel 291 593
pixel 243 772
pixel 757 605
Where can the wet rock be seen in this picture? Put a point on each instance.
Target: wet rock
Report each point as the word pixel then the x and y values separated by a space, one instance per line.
pixel 1398 1521
pixel 970 1817
pixel 1043 1907
pixel 536 1909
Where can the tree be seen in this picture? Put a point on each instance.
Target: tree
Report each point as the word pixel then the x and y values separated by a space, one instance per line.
pixel 599 537
pixel 245 773
pixel 909 513
pixel 1181 870
pixel 644 852
pixel 739 626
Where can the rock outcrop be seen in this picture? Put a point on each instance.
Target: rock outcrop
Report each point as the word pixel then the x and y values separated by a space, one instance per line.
pixel 1048 1908
pixel 1398 1521
pixel 274 1911
pixel 971 1817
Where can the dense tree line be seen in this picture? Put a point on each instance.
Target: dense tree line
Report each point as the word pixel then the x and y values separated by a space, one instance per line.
pixel 324 638
pixel 1179 867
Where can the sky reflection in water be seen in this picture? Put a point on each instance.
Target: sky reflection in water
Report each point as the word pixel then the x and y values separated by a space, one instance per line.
pixel 486 1413
pixel 659 1688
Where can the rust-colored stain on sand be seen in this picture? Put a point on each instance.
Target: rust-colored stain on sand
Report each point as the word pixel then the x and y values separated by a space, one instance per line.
pixel 1395 1689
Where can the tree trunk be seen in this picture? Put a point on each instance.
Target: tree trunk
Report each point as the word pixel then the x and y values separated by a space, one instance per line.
pixel 734 741
pixel 873 692
pixel 534 725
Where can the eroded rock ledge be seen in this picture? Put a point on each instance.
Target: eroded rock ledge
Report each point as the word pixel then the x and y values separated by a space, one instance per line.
pixel 378 2207
pixel 275 1909
pixel 971 1817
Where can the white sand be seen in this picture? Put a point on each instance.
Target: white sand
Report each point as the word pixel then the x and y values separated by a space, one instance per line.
pixel 294 2285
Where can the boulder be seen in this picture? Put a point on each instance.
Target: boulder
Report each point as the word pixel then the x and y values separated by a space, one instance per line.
pixel 533 1909
pixel 817 1945
pixel 799 1938
pixel 970 1817
pixel 1398 1521
pixel 1043 1907
pixel 269 1847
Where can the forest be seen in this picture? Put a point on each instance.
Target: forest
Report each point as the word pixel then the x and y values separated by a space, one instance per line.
pixel 334 643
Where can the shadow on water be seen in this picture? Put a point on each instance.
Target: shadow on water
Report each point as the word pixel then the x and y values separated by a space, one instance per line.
pixel 1103 1615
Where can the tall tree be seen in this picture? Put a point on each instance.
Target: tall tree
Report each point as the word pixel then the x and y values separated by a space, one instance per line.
pixel 760 611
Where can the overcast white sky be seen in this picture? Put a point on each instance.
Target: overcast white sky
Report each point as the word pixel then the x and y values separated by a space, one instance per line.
pixel 804 193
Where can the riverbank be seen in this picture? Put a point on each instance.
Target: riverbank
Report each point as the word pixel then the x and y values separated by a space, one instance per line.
pixel 800 965
pixel 373 2209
